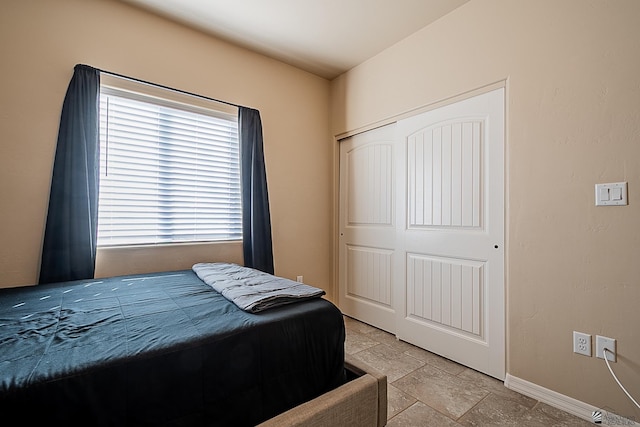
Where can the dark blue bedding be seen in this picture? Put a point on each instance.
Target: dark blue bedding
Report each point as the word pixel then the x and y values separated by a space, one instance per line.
pixel 160 349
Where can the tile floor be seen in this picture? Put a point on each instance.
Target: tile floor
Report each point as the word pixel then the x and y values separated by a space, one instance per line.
pixel 425 389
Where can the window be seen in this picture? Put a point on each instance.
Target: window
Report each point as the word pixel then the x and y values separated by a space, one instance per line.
pixel 169 170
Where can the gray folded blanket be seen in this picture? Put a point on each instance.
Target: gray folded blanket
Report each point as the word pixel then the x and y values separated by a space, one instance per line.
pixel 253 290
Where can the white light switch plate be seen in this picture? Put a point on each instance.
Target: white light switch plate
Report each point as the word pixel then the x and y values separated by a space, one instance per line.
pixel 613 194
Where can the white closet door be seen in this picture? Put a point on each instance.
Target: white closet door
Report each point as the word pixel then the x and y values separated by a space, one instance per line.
pixel 421 251
pixel 450 291
pixel 367 248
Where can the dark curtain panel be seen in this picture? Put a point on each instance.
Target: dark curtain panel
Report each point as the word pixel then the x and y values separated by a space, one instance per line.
pixel 256 220
pixel 69 248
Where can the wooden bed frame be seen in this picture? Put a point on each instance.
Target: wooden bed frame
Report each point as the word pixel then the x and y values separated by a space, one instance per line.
pixel 361 402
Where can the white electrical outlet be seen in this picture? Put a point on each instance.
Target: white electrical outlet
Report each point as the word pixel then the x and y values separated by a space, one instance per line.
pixel 582 343
pixel 299 279
pixel 608 343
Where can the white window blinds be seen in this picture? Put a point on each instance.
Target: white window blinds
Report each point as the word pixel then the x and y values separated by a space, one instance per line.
pixel 169 172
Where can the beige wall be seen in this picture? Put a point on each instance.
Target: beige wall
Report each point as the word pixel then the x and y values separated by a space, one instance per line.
pixel 573 114
pixel 41 41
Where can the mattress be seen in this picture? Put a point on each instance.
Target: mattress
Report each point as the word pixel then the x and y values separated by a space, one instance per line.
pixel 160 349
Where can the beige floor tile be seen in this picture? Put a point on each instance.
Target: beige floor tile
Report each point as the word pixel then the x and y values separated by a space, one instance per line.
pixel 356 342
pixel 421 415
pixel 434 360
pixel 390 361
pixel 358 326
pixel 495 411
pixel 390 340
pixel 444 392
pixel 496 387
pixel 397 401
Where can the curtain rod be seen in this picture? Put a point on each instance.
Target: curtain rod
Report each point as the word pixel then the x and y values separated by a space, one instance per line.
pixel 164 87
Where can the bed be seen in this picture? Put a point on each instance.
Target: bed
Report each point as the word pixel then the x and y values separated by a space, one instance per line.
pixel 161 349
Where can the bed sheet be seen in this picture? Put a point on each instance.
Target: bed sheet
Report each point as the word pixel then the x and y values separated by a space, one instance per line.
pixel 160 349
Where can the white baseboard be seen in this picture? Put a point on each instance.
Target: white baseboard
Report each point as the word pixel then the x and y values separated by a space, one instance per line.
pixel 565 403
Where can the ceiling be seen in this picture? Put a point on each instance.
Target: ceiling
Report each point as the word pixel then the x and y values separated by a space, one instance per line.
pixel 324 37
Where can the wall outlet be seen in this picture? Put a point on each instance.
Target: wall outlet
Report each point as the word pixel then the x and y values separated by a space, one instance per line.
pixel 582 343
pixel 608 343
pixel 299 279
